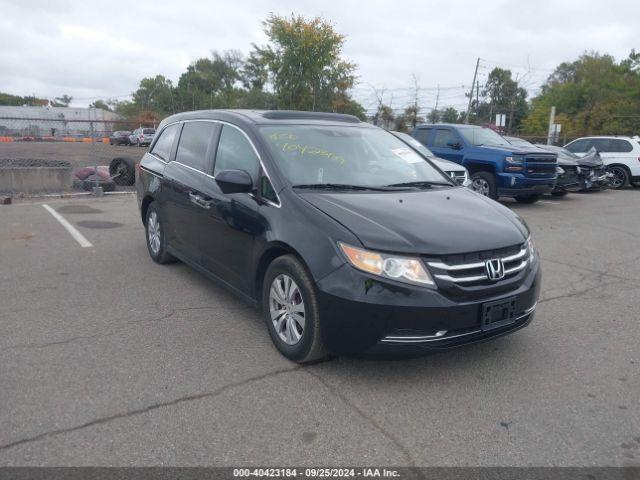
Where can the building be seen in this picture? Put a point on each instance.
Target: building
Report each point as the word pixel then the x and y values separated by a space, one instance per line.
pixel 47 121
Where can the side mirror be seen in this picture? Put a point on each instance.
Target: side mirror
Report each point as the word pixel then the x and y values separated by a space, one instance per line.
pixel 234 181
pixel 454 145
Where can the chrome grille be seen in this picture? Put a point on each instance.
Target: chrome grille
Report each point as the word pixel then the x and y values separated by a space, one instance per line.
pixel 476 272
pixel 544 165
pixel 457 176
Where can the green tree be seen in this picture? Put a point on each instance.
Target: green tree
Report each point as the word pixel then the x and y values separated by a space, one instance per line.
pixel 100 104
pixel 63 101
pixel 592 95
pixel 306 70
pixel 451 115
pixel 501 94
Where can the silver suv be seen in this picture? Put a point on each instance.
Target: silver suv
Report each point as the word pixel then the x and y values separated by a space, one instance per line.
pixel 142 136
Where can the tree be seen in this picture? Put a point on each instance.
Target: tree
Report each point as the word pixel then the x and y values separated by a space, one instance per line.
pixel 501 94
pixel 100 104
pixel 593 95
pixel 155 95
pixel 304 64
pixel 451 115
pixel 63 101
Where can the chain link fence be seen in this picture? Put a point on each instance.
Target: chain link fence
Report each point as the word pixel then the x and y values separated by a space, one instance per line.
pixel 34 149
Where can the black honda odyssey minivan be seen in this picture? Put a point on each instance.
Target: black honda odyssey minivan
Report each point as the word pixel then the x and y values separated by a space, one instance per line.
pixel 345 238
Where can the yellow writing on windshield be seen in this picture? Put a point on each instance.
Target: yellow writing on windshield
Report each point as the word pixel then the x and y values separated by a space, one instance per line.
pixel 309 150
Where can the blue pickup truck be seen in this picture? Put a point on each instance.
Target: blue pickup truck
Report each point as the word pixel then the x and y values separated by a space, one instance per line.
pixel 497 168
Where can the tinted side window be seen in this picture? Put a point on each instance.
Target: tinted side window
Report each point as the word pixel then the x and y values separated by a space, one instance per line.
pixel 162 148
pixel 193 148
pixel 444 136
pixel 579 146
pixel 235 153
pixel 602 144
pixel 422 135
pixel 619 145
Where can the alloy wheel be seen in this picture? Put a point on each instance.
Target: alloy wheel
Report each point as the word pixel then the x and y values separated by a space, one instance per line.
pixel 619 177
pixel 286 308
pixel 481 186
pixel 153 231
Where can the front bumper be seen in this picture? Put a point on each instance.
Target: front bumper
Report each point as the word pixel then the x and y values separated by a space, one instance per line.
pixel 516 184
pixel 360 312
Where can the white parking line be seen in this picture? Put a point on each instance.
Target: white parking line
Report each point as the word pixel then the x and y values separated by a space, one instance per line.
pixel 78 237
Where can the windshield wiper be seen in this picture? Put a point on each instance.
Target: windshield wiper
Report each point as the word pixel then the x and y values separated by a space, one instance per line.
pixel 339 186
pixel 424 184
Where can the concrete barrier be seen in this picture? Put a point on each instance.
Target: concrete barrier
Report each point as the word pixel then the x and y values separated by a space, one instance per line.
pixel 33 177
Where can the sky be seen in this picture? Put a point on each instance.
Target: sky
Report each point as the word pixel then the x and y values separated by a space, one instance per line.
pixel 92 50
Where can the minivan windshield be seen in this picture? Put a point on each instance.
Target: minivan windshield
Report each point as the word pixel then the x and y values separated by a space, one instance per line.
pixel 335 156
pixel 482 136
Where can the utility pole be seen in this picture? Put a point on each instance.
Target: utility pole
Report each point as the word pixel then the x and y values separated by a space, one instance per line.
pixel 513 104
pixel 435 109
pixel 473 84
pixel 552 120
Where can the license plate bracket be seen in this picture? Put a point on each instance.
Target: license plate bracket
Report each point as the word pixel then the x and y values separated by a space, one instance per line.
pixel 498 313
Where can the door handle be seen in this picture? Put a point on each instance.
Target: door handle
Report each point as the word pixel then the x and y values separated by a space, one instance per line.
pixel 199 201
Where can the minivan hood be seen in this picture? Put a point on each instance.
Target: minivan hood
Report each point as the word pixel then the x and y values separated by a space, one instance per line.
pixel 442 221
pixel 446 165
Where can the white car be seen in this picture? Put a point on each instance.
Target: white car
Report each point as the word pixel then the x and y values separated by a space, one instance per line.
pixel 621 155
pixel 142 136
pixel 457 172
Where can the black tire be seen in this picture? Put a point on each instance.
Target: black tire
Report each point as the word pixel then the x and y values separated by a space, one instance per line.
pixel 309 347
pixel 160 256
pixel 123 171
pixel 107 185
pixel 527 198
pixel 488 181
pixel 560 193
pixel 621 177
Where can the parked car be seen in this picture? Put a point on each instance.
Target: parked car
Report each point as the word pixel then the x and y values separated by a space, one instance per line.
pixel 590 170
pixel 120 138
pixel 497 168
pixel 621 155
pixel 567 169
pixel 346 239
pixel 142 136
pixel 457 172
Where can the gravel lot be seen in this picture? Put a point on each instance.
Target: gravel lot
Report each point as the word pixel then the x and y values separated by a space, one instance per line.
pixel 109 359
pixel 78 154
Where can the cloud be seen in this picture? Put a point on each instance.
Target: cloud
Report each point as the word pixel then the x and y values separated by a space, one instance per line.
pixel 102 50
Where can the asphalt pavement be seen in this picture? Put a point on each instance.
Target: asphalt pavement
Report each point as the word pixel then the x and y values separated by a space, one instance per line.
pixel 107 358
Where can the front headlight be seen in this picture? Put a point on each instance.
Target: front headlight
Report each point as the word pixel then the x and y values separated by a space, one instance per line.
pixel 532 247
pixel 559 170
pixel 514 163
pixel 402 269
pixel 467 180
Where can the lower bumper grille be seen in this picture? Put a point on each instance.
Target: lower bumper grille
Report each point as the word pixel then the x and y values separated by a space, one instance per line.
pixel 443 336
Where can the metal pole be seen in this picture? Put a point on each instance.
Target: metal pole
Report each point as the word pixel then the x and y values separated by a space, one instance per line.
pixel 97 189
pixel 550 131
pixel 473 84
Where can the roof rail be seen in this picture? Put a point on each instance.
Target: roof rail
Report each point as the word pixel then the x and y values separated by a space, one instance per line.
pixel 298 115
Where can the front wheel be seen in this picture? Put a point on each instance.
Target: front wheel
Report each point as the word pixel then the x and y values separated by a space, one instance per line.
pixel 527 198
pixel 620 177
pixel 156 240
pixel 290 310
pixel 485 184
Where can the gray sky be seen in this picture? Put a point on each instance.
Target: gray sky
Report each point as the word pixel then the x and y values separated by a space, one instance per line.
pixel 102 49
